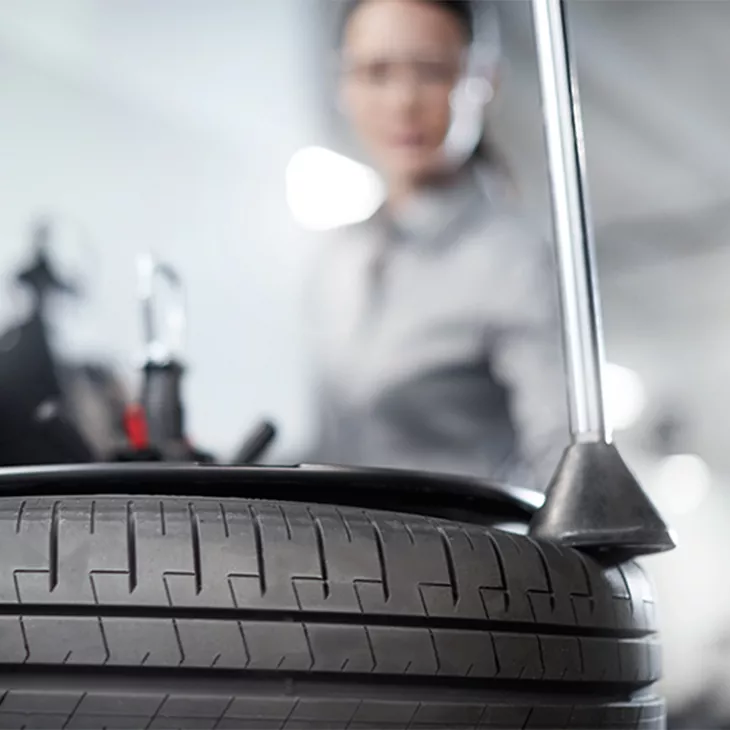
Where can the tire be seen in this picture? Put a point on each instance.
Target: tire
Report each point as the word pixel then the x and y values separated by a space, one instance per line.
pixel 121 612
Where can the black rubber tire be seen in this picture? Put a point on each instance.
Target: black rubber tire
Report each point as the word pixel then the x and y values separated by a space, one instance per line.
pixel 119 612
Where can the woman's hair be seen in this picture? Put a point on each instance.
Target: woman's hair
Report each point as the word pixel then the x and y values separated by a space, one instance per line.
pixel 462 10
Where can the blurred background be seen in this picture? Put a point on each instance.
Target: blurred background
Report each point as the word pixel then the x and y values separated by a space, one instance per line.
pixel 206 133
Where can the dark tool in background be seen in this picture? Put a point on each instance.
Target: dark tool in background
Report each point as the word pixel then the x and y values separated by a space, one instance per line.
pixel 162 401
pixel 34 428
pixel 256 445
pixel 164 331
pixel 155 426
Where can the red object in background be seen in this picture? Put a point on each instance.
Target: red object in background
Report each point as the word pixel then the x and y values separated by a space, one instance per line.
pixel 135 425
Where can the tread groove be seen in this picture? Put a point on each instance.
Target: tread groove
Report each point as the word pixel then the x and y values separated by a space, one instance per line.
pixel 53 548
pixel 147 676
pixel 495 654
pixel 224 517
pixel 195 544
pixel 502 572
pixel 379 544
pixel 163 526
pixel 467 537
pixel 409 532
pixel 224 713
pixel 625 580
pixel 526 723
pixel 92 517
pixel 287 524
pixel 19 519
pixel 259 542
pixel 319 537
pixel 132 546
pixel 541 652
pixel 73 712
pixel 287 616
pixel 371 648
pixel 435 651
pixel 176 629
pixel 345 524
pixel 104 641
pixel 546 569
pixel 450 565
pixel 24 634
pixel 291 712
pixel 308 639
pixel 245 644
pixel 589 584
pixel 581 656
pixel 156 713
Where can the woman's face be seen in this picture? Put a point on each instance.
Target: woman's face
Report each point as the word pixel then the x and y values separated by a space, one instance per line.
pixel 402 59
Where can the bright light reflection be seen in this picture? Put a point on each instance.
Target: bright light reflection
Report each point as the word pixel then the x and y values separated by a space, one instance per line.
pixel 326 190
pixel 624 395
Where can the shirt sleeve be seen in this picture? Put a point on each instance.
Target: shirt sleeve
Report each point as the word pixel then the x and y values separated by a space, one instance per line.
pixel 526 356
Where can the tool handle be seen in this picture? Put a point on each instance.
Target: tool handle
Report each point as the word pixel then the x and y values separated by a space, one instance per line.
pixel 581 314
pixel 256 444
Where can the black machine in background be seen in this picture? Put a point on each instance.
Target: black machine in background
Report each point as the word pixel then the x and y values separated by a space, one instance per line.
pixel 41 422
pixel 156 426
pixel 34 424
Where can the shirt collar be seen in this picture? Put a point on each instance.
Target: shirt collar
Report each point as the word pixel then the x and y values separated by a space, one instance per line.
pixel 433 209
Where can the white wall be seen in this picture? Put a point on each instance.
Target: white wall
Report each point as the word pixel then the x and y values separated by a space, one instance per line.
pixel 168 126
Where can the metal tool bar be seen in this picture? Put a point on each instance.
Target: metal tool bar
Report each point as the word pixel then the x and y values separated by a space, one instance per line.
pixel 582 327
pixel 164 326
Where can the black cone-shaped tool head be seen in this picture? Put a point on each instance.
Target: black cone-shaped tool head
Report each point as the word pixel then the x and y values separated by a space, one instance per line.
pixel 594 503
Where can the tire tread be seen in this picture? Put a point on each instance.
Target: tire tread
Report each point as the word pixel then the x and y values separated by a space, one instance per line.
pixel 178 585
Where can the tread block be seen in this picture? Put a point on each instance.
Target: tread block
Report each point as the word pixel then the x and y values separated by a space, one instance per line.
pixel 105 722
pixel 518 656
pixel 562 658
pixel 290 649
pixel 285 549
pixel 403 650
pixel 465 653
pixel 25 545
pixel 476 568
pixel 195 705
pixel 40 701
pixel 143 642
pixel 273 709
pixel 447 714
pixel 549 718
pixel 381 713
pixel 350 554
pixel 601 660
pixel 208 644
pixel 410 557
pixel 506 717
pixel 341 648
pixel 339 711
pixel 32 721
pixel 67 640
pixel 12 640
pixel 116 704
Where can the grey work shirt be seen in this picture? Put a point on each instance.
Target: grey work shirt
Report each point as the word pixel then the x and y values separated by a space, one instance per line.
pixel 436 340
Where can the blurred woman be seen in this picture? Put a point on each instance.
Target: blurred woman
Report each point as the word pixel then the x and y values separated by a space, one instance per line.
pixel 435 329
